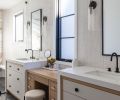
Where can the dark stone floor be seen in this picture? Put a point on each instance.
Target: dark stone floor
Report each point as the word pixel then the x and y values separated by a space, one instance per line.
pixel 2 89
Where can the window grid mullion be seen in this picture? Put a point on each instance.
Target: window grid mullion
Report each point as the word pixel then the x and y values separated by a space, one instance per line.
pixel 59 38
pixel 67 16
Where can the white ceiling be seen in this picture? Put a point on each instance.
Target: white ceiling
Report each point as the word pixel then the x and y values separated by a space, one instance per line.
pixel 6 4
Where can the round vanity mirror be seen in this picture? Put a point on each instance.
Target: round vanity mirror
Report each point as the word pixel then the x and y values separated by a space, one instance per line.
pixel 47 53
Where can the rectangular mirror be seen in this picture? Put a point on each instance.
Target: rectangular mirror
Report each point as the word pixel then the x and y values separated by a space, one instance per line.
pixel 111 27
pixel 36 29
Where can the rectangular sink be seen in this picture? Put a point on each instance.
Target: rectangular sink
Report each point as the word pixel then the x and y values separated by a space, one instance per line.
pixel 23 59
pixel 29 63
pixel 105 75
pixel 27 60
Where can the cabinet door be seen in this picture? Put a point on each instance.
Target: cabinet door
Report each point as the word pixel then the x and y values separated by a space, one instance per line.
pixel 67 96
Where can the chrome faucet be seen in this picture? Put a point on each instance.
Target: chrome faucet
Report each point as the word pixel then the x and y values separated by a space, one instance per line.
pixel 117 68
pixel 27 50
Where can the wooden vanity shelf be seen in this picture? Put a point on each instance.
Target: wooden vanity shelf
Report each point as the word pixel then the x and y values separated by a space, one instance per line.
pixel 43 79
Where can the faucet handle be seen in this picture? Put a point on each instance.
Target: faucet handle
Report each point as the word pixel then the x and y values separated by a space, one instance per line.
pixel 117 70
pixel 109 69
pixel 32 58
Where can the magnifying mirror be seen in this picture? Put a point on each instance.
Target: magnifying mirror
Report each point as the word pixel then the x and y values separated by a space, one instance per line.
pixel 47 53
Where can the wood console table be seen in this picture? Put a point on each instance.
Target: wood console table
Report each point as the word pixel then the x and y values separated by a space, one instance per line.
pixel 43 79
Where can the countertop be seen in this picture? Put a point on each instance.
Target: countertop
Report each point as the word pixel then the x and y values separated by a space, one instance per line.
pixel 29 64
pixel 23 62
pixel 80 73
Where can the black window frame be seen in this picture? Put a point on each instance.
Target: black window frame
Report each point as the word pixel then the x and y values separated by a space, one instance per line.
pixel 58 34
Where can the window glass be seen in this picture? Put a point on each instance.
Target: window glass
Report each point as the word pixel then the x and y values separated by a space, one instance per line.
pixel 67 7
pixel 67 48
pixel 68 26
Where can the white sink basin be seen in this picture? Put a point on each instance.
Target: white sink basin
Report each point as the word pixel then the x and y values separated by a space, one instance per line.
pixel 105 75
pixel 27 60
pixel 35 63
pixel 23 59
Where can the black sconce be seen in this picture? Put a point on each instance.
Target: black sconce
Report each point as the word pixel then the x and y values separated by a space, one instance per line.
pixel 92 5
pixel 26 2
pixel 28 24
pixel 44 19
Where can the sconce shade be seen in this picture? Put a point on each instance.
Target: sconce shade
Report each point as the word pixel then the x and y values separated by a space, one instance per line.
pixel 93 4
pixel 44 19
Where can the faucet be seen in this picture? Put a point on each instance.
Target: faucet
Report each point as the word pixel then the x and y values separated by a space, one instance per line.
pixel 117 68
pixel 27 50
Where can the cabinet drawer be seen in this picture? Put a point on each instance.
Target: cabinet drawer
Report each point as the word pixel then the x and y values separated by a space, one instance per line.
pixel 30 85
pixel 16 91
pixel 15 77
pixel 53 98
pixel 30 77
pixel 53 86
pixel 10 87
pixel 86 92
pixel 15 67
pixel 15 83
pixel 67 96
pixel 53 95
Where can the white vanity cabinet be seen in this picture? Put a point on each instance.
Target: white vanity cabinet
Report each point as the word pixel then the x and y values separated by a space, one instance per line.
pixel 16 80
pixel 76 90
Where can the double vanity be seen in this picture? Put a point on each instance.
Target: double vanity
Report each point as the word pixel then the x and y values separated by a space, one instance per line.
pixel 88 83
pixel 77 83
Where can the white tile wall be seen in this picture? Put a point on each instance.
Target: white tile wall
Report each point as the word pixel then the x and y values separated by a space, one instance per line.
pixel 90 40
pixel 1 34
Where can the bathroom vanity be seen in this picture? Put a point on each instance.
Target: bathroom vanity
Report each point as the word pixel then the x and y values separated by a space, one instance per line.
pixel 16 80
pixel 87 83
pixel 43 79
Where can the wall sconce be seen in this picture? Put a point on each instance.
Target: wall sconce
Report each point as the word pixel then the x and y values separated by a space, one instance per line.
pixel 27 21
pixel 92 5
pixel 28 24
pixel 44 19
pixel 26 2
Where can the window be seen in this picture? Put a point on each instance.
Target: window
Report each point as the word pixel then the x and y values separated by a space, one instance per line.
pixel 19 27
pixel 66 30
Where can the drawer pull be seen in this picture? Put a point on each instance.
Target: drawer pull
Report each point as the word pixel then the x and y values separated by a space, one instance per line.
pixel 29 86
pixel 29 78
pixel 10 66
pixel 18 79
pixel 53 88
pixel 18 91
pixel 52 99
pixel 18 69
pixel 10 86
pixel 76 90
pixel 10 75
